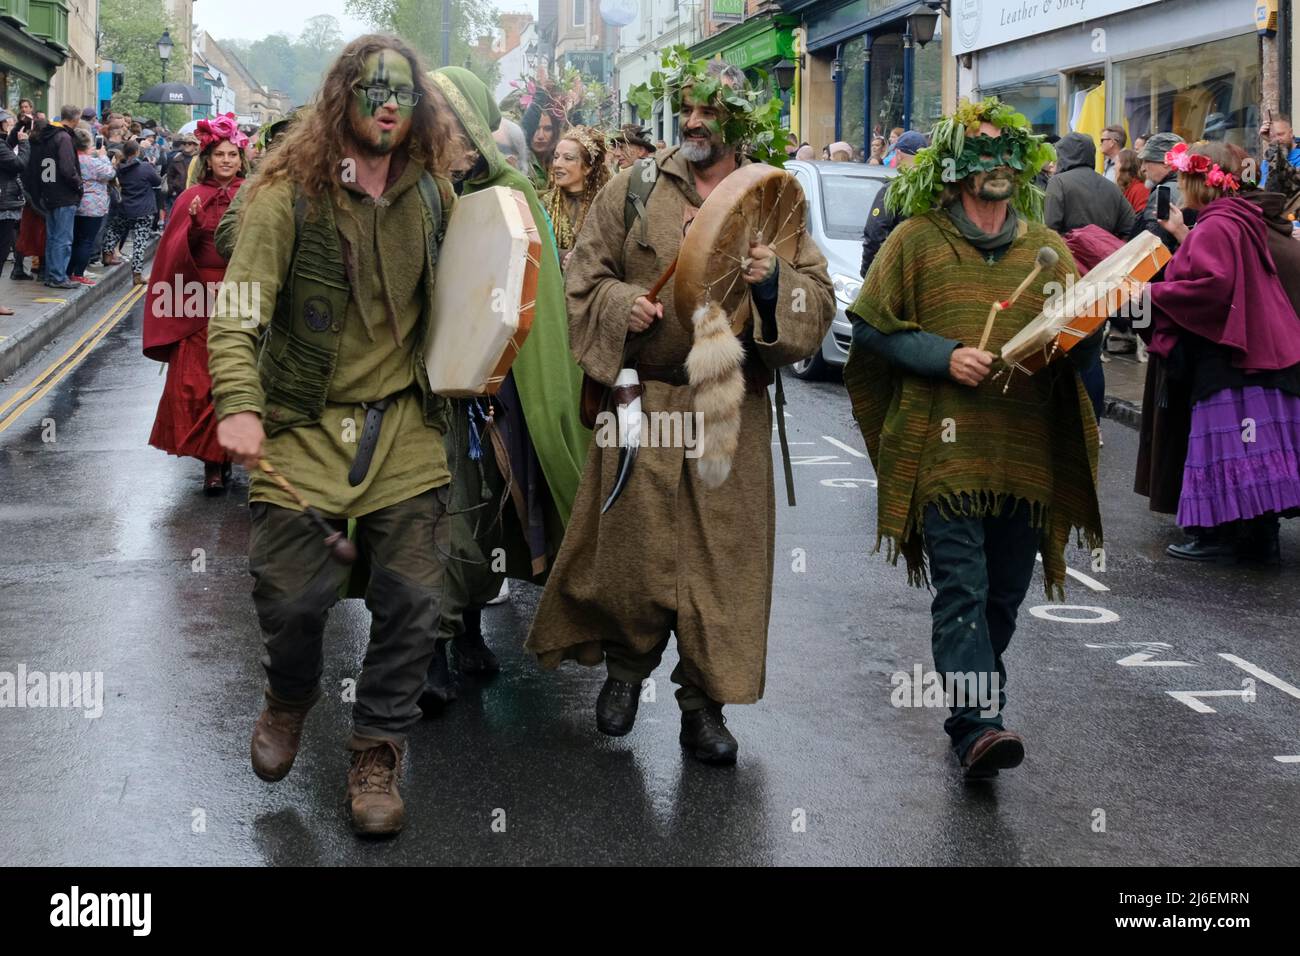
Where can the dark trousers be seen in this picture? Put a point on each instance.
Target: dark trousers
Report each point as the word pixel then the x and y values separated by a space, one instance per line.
pixel 980 569
pixel 296 583
pixel 85 231
pixel 8 236
pixel 1094 381
pixel 625 664
pixel 479 525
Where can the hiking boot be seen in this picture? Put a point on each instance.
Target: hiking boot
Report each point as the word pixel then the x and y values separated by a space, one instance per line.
pixel 373 799
pixel 276 736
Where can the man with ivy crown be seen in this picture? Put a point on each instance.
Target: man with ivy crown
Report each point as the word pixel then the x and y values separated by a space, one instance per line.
pixel 976 476
pixel 673 556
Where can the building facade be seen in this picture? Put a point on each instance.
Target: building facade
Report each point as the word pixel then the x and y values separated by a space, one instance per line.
pixel 34 44
pixel 76 81
pixel 256 105
pixel 1193 67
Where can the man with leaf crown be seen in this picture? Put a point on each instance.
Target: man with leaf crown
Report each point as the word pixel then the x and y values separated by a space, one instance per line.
pixel 976 476
pixel 683 550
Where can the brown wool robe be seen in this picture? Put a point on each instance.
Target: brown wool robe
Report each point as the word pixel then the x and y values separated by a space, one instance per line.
pixel 671 555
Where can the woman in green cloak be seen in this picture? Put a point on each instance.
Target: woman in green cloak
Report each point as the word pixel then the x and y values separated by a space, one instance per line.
pixel 513 484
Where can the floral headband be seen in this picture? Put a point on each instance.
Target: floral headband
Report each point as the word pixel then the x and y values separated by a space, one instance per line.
pixel 219 128
pixel 585 138
pixel 1198 165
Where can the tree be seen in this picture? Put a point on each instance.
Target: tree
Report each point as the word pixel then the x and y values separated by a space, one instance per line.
pixel 294 66
pixel 131 31
pixel 419 23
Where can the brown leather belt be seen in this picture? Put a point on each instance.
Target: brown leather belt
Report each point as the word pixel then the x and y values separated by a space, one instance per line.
pixel 671 374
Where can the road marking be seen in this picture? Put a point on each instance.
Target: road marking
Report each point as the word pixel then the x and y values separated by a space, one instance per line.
pixel 35 383
pixel 1190 698
pixel 1081 577
pixel 843 447
pixel 848 482
pixel 1263 675
pixel 1143 659
pixel 106 325
pixel 817 460
pixel 1292 758
pixel 1050 612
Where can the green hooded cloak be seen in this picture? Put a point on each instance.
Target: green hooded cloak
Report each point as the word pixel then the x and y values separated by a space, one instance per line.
pixel 548 379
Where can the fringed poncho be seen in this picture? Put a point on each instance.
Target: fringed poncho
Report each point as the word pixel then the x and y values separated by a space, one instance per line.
pixel 969 450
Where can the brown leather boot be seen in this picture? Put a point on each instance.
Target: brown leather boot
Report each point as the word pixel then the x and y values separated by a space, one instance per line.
pixel 276 736
pixel 373 799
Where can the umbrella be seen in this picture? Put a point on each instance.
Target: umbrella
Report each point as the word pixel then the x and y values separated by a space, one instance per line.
pixel 175 93
pixel 188 128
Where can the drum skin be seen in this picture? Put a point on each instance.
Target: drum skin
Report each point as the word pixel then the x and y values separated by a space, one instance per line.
pixel 755 203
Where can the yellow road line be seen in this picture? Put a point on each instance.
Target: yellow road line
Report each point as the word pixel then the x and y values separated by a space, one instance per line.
pixel 35 383
pixel 105 327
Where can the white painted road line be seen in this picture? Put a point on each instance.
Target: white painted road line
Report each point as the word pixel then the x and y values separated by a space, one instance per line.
pixel 1141 659
pixel 1189 697
pixel 1082 578
pixel 1263 675
pixel 1292 758
pixel 843 447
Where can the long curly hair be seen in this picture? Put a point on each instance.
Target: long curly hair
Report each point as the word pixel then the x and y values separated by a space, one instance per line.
pixel 311 153
pixel 593 145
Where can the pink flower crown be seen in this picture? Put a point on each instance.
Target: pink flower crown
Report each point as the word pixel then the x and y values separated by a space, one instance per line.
pixel 1197 165
pixel 214 130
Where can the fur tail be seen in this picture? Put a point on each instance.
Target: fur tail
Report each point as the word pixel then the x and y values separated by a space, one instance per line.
pixel 713 368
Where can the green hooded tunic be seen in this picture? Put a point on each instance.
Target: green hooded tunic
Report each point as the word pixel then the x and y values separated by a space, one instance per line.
pixel 546 376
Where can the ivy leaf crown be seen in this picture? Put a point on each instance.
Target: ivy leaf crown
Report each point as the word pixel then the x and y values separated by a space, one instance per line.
pixel 751 116
pixel 917 189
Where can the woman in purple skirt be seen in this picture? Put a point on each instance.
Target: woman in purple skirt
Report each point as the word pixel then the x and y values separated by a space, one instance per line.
pixel 1226 326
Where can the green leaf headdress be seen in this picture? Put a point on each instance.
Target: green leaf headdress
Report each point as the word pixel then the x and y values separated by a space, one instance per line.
pixel 751 117
pixel 957 150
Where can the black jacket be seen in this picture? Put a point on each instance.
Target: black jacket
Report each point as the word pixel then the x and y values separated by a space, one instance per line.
pixel 12 163
pixel 53 148
pixel 880 224
pixel 1078 195
pixel 176 170
pixel 137 180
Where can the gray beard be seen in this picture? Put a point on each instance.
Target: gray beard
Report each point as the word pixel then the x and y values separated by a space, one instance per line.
pixel 701 153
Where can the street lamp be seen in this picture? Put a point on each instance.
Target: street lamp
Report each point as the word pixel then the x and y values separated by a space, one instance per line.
pixel 165 51
pixel 784 74
pixel 922 19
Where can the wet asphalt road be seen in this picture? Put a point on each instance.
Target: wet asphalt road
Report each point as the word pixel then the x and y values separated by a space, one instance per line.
pixel 98 539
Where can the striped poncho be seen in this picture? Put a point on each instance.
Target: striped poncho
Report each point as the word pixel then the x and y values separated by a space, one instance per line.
pixel 969 450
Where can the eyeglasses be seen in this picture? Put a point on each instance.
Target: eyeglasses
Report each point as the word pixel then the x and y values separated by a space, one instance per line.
pixel 379 95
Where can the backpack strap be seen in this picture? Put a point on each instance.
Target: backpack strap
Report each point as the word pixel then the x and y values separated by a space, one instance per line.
pixel 641 182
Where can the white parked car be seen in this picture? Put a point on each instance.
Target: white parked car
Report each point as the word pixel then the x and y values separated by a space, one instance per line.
pixel 839 199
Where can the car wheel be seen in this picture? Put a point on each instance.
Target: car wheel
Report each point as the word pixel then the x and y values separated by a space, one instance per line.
pixel 811 369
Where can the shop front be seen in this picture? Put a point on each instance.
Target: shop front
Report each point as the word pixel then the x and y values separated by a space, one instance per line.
pixel 759 44
pixel 33 44
pixel 868 73
pixel 1192 67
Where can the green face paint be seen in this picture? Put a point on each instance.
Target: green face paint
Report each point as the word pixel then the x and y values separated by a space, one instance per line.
pixel 385 72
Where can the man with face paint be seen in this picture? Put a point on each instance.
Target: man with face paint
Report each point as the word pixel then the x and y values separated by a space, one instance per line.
pixel 976 476
pixel 318 369
pixel 673 556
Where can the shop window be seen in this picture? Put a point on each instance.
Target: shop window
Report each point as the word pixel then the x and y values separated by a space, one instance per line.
pixel 886 84
pixel 1038 101
pixel 853 66
pixel 927 86
pixel 1209 91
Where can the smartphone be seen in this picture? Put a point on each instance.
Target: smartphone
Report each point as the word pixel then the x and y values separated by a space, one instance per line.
pixel 99 142
pixel 1162 203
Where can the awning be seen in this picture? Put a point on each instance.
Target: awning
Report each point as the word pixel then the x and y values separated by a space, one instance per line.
pixel 758 42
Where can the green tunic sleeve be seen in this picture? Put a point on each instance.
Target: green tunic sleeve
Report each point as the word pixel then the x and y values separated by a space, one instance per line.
pixel 253 280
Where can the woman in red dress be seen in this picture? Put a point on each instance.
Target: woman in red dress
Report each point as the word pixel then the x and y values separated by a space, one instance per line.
pixel 176 311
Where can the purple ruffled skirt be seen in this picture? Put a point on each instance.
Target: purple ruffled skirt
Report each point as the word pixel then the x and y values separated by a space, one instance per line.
pixel 1243 457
